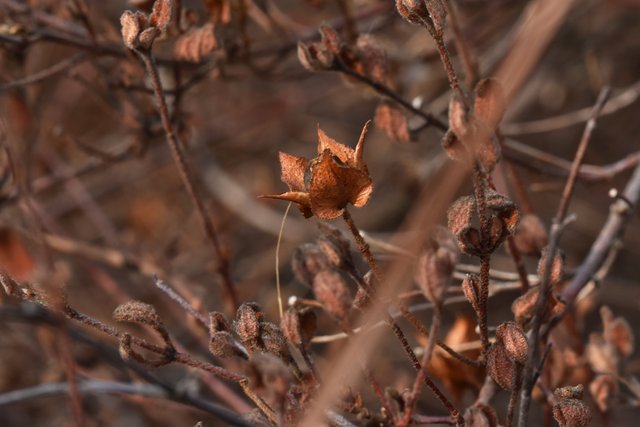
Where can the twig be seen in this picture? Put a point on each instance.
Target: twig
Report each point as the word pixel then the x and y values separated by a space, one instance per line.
pixel 624 98
pixel 554 238
pixel 188 179
pixel 468 61
pixel 164 287
pixel 34 313
pixel 54 69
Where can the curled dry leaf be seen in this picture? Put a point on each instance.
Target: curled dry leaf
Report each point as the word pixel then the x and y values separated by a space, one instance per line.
pixel 308 260
pixel 325 185
pixel 390 119
pixel 196 44
pixel 617 333
pixel 219 10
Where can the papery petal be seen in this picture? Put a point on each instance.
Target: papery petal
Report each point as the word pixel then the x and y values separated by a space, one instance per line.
pixel 359 151
pixel 292 171
pixel 301 199
pixel 341 151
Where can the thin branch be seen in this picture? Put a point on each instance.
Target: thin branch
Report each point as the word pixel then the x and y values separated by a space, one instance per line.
pixel 188 179
pixel 554 238
pixel 64 65
pixel 164 287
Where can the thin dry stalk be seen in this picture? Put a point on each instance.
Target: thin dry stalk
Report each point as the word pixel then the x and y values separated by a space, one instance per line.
pixel 554 238
pixel 188 180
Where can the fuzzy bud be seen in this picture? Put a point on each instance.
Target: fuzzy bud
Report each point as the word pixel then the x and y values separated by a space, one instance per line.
pixel 274 341
pixel 436 265
pixel 471 289
pixel 218 322
pixel 223 344
pixel 139 312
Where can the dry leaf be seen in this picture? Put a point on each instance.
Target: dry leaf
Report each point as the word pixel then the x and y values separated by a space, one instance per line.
pixel 392 121
pixel 196 44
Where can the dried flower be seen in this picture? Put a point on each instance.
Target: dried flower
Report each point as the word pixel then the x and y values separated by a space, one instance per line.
pixel 274 341
pixel 524 307
pixel 480 415
pixel 223 344
pixel 507 355
pixel 325 185
pixel 308 259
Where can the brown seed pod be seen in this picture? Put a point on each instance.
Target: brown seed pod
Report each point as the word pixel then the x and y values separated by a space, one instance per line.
pixel 471 289
pixel 392 121
pixel 247 324
pixel 557 266
pixel 500 367
pixel 223 344
pixel 196 43
pixel 307 261
pixel 617 333
pixel 524 307
pixel 299 325
pixel 218 322
pixel 139 312
pixel 274 342
pixel 511 336
pixel 331 289
pixel 436 264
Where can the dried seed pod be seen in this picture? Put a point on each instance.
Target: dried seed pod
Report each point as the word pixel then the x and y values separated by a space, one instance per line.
pixel 500 367
pixel 459 119
pixel 299 325
pixel 413 11
pixel 511 336
pixel 459 217
pixel 454 148
pixel 531 235
pixel 247 324
pixel 331 289
pixel 314 58
pixel 524 307
pixel 471 289
pixel 274 342
pixel 617 332
pixel 125 348
pixel 489 103
pixel 139 312
pixel 307 261
pixel 604 390
pixel 223 344
pixel 557 266
pixel 504 209
pixel 132 24
pixel 218 322
pixel 568 410
pixel 335 247
pixel 480 415
pixel 436 264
